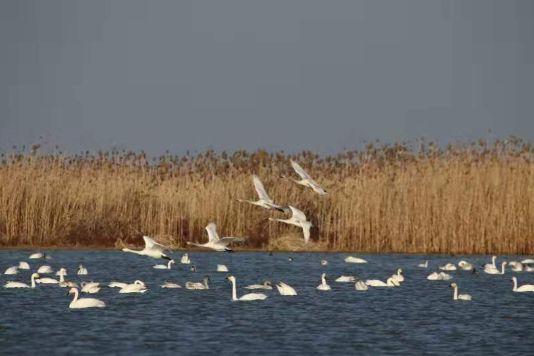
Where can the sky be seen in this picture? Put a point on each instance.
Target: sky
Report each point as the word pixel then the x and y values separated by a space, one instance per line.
pixel 278 75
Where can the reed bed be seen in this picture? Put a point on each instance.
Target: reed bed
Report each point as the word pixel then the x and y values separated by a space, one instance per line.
pixel 414 198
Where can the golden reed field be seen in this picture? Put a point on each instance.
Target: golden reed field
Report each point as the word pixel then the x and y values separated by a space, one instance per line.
pixel 475 198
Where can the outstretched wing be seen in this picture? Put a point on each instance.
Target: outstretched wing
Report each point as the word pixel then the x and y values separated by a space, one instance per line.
pixel 297 214
pixel 150 244
pixel 228 240
pixel 300 171
pixel 260 189
pixel 212 232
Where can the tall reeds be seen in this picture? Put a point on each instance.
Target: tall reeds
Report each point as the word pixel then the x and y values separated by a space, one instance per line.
pixel 476 198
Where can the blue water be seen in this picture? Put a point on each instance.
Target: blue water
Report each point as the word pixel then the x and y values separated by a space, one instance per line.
pixel 417 318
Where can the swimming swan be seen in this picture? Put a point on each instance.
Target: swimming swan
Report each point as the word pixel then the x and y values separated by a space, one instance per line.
pixel 448 267
pixel 11 284
pixel 466 266
pixel 135 287
pixel 12 270
pixel 222 268
pixel 492 264
pixel 246 297
pixel 523 288
pixel 266 285
pixel 352 259
pixel 170 285
pixel 492 270
pixel 346 279
pixel 90 287
pixel 324 263
pixel 298 218
pixel 152 249
pixel 516 266
pixel 360 285
pixel 216 243
pixel 82 271
pixel 168 266
pixel 306 180
pixel 390 282
pixel 185 259
pixel 47 280
pixel 24 265
pixel 264 200
pixel 83 303
pixel 36 255
pixel 527 261
pixel 285 289
pixel 323 286
pixel 62 282
pixel 457 296
pixel 441 276
pixel 398 276
pixel 45 269
pixel 423 265
pixel 198 285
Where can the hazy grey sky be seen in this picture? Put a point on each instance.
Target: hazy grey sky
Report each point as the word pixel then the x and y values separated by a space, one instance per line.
pixel 320 75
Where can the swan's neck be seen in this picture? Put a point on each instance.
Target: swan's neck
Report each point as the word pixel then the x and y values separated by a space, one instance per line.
pixel 455 296
pixel 515 284
pixel 206 283
pixel 398 272
pixel 323 281
pixel 61 278
pixel 502 268
pixel 494 261
pixel 33 281
pixel 234 292
pixel 75 295
pixel 169 265
pixel 132 251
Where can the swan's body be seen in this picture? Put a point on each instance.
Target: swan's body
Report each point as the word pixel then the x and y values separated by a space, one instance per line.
pixel 398 276
pixel 285 289
pixel 135 287
pixel 441 276
pixel 527 268
pixel 82 271
pixel 360 285
pixel 323 286
pixel 90 287
pixel 448 267
pixel 264 200
pixel 47 280
pixel 185 259
pixel 82 303
pixel 170 285
pixel 516 266
pixel 12 284
pixel 527 261
pixel 523 288
pixel 298 218
pixel 24 265
pixel 466 266
pixel 45 269
pixel 423 265
pixel 390 282
pixel 457 296
pixel 12 270
pixel 167 266
pixel 216 243
pixel 493 270
pixel 222 268
pixel 152 249
pixel 246 297
pixel 117 285
pixel 324 263
pixel 36 255
pixel 198 285
pixel 306 180
pixel 492 264
pixel 266 285
pixel 352 259
pixel 346 279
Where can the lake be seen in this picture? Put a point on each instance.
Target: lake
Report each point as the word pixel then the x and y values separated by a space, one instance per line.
pixel 417 318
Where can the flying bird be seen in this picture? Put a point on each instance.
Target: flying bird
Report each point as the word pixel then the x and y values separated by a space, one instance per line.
pixel 264 200
pixel 306 180
pixel 216 243
pixel 298 219
pixel 152 249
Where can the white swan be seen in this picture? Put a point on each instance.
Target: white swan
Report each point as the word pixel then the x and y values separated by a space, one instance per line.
pixel 167 266
pixel 352 259
pixel 306 180
pixel 61 271
pixel 528 268
pixel 216 243
pixel 494 270
pixel 360 285
pixel 527 261
pixel 90 287
pixel 323 286
pixel 390 282
pixel 456 296
pixel 24 265
pixel 398 276
pixel 441 276
pixel 198 285
pixel 62 282
pixel 246 297
pixel 135 287
pixel 285 289
pixel 82 271
pixel 47 280
pixel 266 285
pixel 423 265
pixel 45 269
pixel 324 263
pixel 117 285
pixel 466 266
pixel 346 279
pixel 264 200
pixel 12 270
pixel 448 267
pixel 170 285
pixel 36 255
pixel 12 284
pixel 298 218
pixel 516 266
pixel 222 268
pixel 492 264
pixel 152 249
pixel 523 288
pixel 185 259
pixel 82 303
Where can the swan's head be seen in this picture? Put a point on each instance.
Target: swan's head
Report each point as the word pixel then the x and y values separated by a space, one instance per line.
pixel 141 283
pixel 73 290
pixel 514 279
pixel 172 262
pixel 399 271
pixel 267 284
pixel 453 285
pixel 231 278
pixel 35 276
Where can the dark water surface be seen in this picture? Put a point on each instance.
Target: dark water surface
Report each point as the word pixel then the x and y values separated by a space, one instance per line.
pixel 417 318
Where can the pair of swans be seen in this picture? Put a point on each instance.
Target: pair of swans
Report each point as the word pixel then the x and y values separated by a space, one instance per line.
pixel 15 269
pixel 495 270
pixel 523 288
pixel 439 276
pixel 323 286
pixel 264 200
pixel 12 284
pixel 457 296
pixel 352 259
pixel 198 285
pixel 215 242
pixel 298 218
pixel 167 266
pixel 83 303
pixel 246 297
